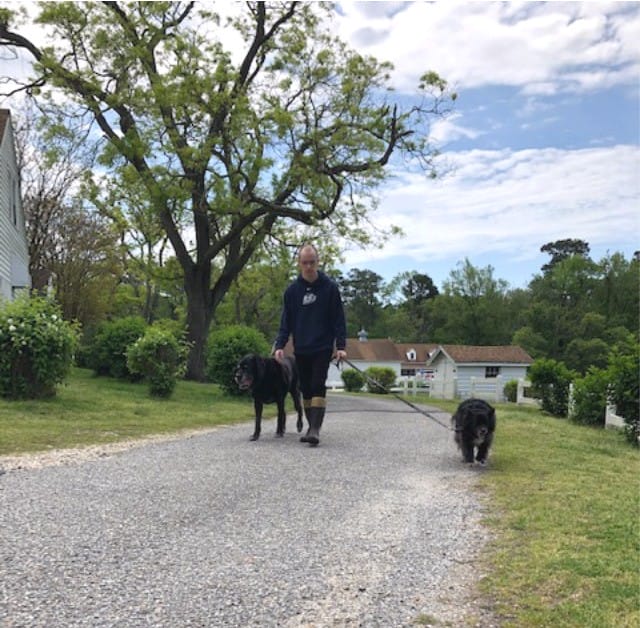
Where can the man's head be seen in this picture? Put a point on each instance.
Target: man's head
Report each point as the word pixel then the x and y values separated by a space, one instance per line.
pixel 308 262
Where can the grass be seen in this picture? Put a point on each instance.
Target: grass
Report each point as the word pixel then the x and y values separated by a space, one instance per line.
pixel 95 410
pixel 563 500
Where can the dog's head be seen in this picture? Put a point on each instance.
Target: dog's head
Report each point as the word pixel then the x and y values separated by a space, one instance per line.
pixel 248 371
pixel 477 418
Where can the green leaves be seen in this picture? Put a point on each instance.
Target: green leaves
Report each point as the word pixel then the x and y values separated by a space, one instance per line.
pixel 36 348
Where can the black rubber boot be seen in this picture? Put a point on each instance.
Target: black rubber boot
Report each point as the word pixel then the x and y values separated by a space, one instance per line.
pixel 315 423
pixel 307 414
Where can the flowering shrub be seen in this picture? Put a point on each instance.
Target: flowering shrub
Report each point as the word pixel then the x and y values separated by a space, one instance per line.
pixel 160 358
pixel 36 348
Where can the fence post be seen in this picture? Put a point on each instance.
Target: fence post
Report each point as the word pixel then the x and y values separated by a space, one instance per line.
pixel 499 389
pixel 570 402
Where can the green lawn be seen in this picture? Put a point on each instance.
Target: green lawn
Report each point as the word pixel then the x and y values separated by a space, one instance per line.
pixel 90 410
pixel 563 500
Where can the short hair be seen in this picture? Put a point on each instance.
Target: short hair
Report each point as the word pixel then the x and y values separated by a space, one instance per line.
pixel 307 245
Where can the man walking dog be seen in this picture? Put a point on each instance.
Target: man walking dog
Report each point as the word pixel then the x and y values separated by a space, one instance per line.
pixel 313 315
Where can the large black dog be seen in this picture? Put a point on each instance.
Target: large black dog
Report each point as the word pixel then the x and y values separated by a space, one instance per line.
pixel 474 423
pixel 269 382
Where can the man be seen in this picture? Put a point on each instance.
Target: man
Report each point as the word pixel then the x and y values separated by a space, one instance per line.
pixel 314 315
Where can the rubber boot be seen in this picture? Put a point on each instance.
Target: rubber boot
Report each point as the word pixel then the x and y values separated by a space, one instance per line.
pixel 317 416
pixel 306 404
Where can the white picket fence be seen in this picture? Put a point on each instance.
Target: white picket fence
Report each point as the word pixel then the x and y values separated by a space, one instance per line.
pixel 488 388
pixel 611 419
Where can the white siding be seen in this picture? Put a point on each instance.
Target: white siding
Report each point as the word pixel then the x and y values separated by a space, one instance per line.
pixel 14 255
pixel 486 387
pixel 468 380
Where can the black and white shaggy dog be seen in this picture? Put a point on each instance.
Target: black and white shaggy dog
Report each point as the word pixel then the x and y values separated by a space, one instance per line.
pixel 474 423
pixel 269 382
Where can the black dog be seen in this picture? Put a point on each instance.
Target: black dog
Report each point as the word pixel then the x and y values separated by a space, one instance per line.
pixel 474 423
pixel 269 381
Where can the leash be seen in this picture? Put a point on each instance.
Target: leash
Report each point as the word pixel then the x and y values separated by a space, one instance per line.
pixel 389 392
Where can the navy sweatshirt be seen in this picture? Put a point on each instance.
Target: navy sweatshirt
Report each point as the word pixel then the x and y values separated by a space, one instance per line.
pixel 313 314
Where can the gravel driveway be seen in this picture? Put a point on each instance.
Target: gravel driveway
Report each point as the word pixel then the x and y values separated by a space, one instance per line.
pixel 378 526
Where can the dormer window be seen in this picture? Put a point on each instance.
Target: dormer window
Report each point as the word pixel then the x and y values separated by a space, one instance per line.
pixel 412 355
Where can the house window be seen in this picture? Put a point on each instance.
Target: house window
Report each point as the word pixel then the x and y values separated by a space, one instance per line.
pixel 492 371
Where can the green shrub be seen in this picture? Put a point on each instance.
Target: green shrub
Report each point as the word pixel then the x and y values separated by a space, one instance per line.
pixel 624 388
pixel 108 349
pixel 160 358
pixel 511 390
pixel 551 380
pixel 353 380
pixel 384 376
pixel 36 348
pixel 590 398
pixel 225 347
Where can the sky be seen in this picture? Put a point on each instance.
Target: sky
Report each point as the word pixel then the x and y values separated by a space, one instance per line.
pixel 543 143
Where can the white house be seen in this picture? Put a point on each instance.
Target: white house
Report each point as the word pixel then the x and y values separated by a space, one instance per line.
pixel 14 253
pixel 447 371
pixel 463 371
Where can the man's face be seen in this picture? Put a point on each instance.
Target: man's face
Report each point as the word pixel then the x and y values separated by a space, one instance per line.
pixel 308 263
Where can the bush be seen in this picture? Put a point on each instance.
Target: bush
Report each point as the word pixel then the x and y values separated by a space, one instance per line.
pixel 510 390
pixel 36 348
pixel 625 387
pixel 590 398
pixel 353 380
pixel 160 358
pixel 225 347
pixel 382 375
pixel 551 381
pixel 108 349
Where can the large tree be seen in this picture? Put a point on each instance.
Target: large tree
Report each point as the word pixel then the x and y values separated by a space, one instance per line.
pixel 53 160
pixel 360 292
pixel 418 290
pixel 562 249
pixel 473 307
pixel 285 126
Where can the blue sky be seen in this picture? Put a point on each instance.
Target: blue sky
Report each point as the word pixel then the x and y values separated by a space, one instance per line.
pixel 543 143
pixel 544 138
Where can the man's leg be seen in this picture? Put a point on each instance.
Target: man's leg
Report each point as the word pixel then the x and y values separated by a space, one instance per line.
pixel 304 364
pixel 319 369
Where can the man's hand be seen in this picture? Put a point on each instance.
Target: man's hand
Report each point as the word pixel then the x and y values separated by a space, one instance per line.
pixel 341 354
pixel 279 355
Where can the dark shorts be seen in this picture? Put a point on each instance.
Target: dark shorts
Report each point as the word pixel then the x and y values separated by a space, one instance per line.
pixel 313 369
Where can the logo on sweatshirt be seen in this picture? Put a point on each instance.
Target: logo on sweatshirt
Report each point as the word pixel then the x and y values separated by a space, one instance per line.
pixel 308 298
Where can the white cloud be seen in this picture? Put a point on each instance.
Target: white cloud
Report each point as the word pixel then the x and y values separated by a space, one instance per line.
pixel 446 130
pixel 474 44
pixel 511 202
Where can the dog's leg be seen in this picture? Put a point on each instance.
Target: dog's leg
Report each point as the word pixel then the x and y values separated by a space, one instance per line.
pixel 483 449
pixel 282 418
pixel 257 406
pixel 296 402
pixel 467 449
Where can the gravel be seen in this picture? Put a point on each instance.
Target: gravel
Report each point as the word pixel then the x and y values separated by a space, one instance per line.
pixel 378 526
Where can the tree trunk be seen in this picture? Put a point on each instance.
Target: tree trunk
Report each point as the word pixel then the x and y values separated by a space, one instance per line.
pixel 199 313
